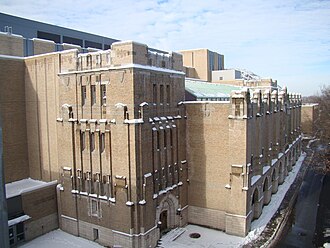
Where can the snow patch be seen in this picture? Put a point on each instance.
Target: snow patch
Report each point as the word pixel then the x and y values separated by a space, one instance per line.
pixel 18 220
pixel 254 179
pixel 258 225
pixel 265 169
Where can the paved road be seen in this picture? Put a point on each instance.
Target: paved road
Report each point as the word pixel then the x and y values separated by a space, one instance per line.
pixel 302 230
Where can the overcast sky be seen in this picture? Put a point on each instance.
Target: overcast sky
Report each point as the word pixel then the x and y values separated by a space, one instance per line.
pixel 287 40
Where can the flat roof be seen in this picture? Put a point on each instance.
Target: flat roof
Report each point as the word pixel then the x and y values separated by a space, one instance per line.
pixel 25 185
pixel 200 88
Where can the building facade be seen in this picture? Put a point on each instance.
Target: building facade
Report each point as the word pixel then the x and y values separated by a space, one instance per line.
pixel 106 146
pixel 310 115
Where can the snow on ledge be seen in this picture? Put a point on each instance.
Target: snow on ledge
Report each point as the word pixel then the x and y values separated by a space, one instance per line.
pixel 25 185
pixel 18 220
pixel 265 169
pixel 254 179
pixel 134 121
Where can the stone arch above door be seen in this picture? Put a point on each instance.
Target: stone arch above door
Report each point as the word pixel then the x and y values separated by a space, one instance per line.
pixel 170 204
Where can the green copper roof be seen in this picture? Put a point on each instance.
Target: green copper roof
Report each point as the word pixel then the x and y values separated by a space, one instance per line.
pixel 203 89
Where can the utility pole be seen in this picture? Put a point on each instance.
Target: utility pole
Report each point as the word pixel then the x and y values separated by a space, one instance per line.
pixel 4 235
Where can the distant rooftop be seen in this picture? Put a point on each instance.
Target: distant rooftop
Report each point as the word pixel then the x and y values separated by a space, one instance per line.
pixel 203 89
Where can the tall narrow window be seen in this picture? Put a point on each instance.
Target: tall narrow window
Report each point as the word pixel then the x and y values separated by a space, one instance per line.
pixel 102 142
pixel 165 138
pixel 89 60
pixel 103 94
pixel 171 137
pixel 158 140
pixel 92 141
pixel 83 95
pixel 161 93
pixel 93 94
pixel 154 93
pixel 168 94
pixel 98 59
pixel 237 109
pixel 82 141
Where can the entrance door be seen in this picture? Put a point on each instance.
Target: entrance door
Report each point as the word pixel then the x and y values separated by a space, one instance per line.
pixel 163 220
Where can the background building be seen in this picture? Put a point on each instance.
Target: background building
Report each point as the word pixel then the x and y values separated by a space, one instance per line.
pixel 309 114
pixel 60 37
pixel 199 63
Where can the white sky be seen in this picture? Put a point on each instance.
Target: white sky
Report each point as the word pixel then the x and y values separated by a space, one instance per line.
pixel 287 40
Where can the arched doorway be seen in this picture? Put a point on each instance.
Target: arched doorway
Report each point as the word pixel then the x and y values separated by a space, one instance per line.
pixel 255 205
pixel 166 217
pixel 163 222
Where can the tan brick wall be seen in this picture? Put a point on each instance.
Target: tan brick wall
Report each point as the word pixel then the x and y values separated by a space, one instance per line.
pixel 41 226
pixel 11 44
pixel 41 94
pixel 207 217
pixel 12 108
pixel 43 46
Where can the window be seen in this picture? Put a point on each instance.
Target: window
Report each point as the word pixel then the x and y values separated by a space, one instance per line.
pixel 150 62
pixel 82 141
pixel 95 234
pixel 83 95
pixel 93 44
pixel 71 40
pixel 165 138
pixel 98 59
pixel 102 142
pixel 154 92
pixel 168 94
pixel 92 141
pixel 103 94
pixel 88 60
pixel 158 140
pixel 220 78
pixel 238 103
pixel 161 93
pixel 93 94
pixel 49 36
pixel 171 137
pixel 237 109
pixel 163 64
pixel 94 207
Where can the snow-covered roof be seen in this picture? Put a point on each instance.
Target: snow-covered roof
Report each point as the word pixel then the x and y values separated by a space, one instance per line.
pixel 203 89
pixel 248 75
pixel 25 185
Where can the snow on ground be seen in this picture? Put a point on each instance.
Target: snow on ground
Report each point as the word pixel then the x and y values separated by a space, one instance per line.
pixel 268 211
pixel 60 239
pixel 211 238
pixel 326 245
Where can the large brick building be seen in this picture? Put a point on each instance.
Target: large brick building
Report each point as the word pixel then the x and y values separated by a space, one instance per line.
pixel 131 157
